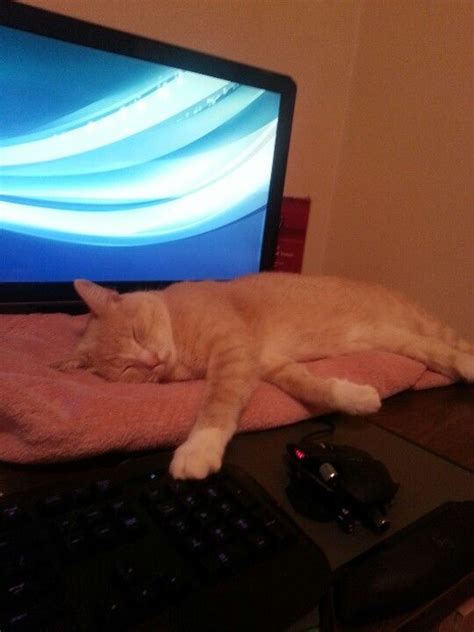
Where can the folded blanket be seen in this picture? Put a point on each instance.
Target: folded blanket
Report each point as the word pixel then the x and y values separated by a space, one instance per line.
pixel 47 416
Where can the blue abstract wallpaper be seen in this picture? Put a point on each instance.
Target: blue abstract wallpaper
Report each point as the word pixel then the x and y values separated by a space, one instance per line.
pixel 117 168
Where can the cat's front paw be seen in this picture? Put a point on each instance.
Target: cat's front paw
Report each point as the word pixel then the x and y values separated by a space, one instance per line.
pixel 199 456
pixel 356 399
pixel 465 366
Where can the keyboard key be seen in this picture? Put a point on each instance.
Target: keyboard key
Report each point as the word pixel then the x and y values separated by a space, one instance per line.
pixel 212 492
pixel 125 572
pixel 217 563
pixel 190 500
pixel 205 516
pixel 152 496
pixel 118 506
pixel 238 493
pixel 65 524
pixel 219 533
pixel 178 488
pixel 130 524
pixel 260 544
pixel 26 618
pixel 112 613
pixel 11 516
pixel 150 478
pixel 20 619
pixel 17 561
pixel 92 516
pixel 104 488
pixel 6 545
pixel 52 505
pixel 241 523
pixel 75 543
pixel 180 526
pixel 195 544
pixel 81 496
pixel 166 509
pixel 223 561
pixel 148 594
pixel 103 535
pixel 18 583
pixel 174 586
pixel 19 592
pixel 263 516
pixel 226 508
pixel 15 591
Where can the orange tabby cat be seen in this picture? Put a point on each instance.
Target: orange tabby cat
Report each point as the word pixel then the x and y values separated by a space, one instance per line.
pixel 257 327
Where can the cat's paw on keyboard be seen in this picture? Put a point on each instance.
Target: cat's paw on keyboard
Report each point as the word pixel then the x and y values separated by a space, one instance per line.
pixel 199 456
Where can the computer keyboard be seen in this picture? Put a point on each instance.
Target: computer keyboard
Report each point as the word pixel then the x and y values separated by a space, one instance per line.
pixel 141 551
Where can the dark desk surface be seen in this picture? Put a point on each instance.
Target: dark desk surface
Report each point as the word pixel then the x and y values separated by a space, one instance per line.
pixel 425 480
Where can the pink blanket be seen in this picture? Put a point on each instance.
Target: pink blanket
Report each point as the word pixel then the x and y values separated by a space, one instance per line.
pixel 46 415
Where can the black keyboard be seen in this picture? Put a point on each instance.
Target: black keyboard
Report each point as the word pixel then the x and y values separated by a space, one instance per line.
pixel 140 551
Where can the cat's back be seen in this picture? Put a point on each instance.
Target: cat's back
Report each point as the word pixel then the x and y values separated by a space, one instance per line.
pixel 269 291
pixel 278 283
pixel 287 297
pixel 305 300
pixel 298 291
pixel 254 297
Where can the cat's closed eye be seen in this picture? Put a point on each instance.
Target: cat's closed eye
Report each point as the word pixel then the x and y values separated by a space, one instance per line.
pixel 137 335
pixel 131 373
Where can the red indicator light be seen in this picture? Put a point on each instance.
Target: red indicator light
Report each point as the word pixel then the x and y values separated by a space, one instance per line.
pixel 300 454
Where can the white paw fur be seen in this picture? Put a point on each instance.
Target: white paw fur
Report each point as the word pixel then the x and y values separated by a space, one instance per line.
pixel 465 366
pixel 355 399
pixel 200 455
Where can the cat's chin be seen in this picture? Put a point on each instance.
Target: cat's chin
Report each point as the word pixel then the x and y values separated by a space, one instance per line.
pixel 138 375
pixel 160 373
pixel 154 379
pixel 138 379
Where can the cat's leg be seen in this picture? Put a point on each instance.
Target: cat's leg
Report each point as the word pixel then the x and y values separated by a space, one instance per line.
pixel 231 379
pixel 334 393
pixel 455 361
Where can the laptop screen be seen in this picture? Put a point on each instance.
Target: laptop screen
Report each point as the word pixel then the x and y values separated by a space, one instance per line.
pixel 131 162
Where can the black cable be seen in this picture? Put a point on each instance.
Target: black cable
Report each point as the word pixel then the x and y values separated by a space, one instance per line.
pixel 327 429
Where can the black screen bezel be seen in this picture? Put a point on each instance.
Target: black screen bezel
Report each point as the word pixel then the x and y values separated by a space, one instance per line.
pixel 37 296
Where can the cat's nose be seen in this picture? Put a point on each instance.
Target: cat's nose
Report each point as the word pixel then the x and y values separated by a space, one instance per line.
pixel 150 359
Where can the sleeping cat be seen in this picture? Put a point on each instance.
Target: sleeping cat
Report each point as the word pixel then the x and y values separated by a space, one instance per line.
pixel 258 327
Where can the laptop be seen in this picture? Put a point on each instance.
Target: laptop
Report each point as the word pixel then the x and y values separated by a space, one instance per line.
pixel 131 162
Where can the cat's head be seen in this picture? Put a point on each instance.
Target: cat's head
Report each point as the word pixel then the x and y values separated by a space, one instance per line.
pixel 128 337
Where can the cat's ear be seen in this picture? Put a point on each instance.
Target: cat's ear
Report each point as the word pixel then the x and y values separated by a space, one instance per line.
pixel 96 297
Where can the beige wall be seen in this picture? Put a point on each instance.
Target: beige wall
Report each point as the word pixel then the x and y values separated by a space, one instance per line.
pixel 403 210
pixel 382 137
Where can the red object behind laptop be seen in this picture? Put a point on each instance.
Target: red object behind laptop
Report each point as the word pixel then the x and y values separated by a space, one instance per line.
pixel 292 234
